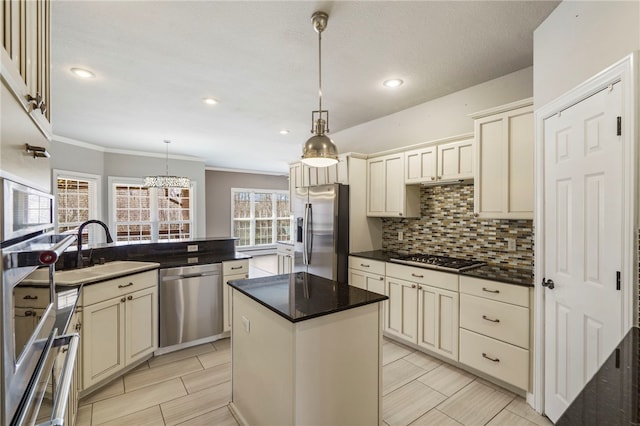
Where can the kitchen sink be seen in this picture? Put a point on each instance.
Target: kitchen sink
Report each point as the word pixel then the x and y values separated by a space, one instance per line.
pixel 92 273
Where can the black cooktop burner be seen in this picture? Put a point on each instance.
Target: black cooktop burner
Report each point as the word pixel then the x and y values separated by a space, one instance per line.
pixel 438 262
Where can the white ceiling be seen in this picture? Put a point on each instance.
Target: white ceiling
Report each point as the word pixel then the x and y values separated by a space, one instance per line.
pixel 156 60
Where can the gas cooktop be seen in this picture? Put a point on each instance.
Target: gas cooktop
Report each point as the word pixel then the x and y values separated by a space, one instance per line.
pixel 444 263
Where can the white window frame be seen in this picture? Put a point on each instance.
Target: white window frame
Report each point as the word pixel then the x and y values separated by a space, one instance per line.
pixel 252 218
pixel 117 180
pixel 95 202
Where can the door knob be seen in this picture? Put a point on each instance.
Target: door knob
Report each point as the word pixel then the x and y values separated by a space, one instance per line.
pixel 548 283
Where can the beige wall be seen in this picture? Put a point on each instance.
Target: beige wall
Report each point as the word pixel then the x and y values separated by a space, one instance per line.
pixel 578 40
pixel 218 196
pixel 441 118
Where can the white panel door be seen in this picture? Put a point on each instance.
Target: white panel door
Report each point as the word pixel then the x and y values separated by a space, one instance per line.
pixel 583 243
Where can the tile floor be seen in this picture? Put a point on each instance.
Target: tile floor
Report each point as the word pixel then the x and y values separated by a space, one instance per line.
pixel 193 387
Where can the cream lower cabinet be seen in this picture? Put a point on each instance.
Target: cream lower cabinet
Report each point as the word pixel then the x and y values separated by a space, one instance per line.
pixel 231 270
pixel 284 254
pixel 494 329
pixel 120 325
pixel 423 308
pixel 367 274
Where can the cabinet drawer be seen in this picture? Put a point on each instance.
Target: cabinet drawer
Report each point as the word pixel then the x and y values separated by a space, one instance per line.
pixel 235 267
pixel 284 249
pixel 430 277
pixel 367 265
pixel 31 297
pixel 498 359
pixel 101 291
pixel 502 321
pixel 494 290
pixel 235 277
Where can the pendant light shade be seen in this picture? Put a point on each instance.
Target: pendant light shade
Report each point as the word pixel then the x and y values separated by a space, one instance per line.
pixel 166 181
pixel 319 150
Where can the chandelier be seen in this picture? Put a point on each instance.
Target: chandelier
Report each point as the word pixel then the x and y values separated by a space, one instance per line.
pixel 166 181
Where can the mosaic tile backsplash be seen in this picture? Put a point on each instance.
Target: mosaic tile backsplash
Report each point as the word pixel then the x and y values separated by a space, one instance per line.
pixel 448 227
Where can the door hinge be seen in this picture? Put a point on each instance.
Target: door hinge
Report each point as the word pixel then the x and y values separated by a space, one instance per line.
pixel 617 280
pixel 619 126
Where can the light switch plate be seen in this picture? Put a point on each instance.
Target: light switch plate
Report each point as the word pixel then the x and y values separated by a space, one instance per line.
pixel 192 247
pixel 400 236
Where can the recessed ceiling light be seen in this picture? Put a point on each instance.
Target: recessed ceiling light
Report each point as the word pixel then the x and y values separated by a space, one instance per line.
pixel 210 101
pixel 394 82
pixel 82 73
pixel 284 132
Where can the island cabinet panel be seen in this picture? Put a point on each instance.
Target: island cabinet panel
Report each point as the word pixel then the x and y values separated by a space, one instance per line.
pixel 324 370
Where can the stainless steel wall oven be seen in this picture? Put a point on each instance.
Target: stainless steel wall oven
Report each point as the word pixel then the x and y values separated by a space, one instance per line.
pixel 30 327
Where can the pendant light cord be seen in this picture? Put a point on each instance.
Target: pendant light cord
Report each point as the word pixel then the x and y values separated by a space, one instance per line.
pixel 320 74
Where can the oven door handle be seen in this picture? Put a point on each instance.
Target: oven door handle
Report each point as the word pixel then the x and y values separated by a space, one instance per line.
pixel 62 395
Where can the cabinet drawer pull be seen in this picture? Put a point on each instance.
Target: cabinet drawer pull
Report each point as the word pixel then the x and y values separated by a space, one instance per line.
pixel 30 297
pixel 233 268
pixel 484 355
pixel 417 276
pixel 125 285
pixel 364 266
pixel 29 313
pixel 484 317
pixel 490 291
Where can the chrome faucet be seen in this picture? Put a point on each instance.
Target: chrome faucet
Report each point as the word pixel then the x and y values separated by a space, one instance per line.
pixel 80 229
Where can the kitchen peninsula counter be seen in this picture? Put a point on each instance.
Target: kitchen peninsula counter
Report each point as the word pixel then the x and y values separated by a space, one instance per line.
pixel 305 350
pixel 612 396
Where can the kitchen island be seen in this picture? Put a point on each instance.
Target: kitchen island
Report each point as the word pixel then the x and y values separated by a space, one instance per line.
pixel 305 350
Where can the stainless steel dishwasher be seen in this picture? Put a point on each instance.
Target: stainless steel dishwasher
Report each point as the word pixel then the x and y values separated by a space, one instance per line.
pixel 190 306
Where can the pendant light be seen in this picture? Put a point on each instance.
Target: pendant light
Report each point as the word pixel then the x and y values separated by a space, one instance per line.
pixel 166 181
pixel 319 150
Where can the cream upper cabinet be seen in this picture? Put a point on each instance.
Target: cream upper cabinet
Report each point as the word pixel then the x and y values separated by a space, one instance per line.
pixel 26 57
pixel 440 162
pixel 387 194
pixel 503 185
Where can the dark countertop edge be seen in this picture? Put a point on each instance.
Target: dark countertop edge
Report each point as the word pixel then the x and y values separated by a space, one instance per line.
pixel 308 317
pixel 385 256
pixel 594 403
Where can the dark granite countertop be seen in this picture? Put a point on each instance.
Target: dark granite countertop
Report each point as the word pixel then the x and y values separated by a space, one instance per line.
pixel 301 296
pixel 198 259
pixel 503 274
pixel 491 271
pixel 611 397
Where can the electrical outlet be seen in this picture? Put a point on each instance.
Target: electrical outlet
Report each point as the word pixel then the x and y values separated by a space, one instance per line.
pixel 191 248
pixel 511 244
pixel 400 236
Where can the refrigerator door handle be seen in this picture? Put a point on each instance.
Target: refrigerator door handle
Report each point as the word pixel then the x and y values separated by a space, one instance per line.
pixel 305 221
pixel 308 233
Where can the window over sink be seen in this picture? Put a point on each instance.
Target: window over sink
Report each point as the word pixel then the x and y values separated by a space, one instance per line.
pixel 149 214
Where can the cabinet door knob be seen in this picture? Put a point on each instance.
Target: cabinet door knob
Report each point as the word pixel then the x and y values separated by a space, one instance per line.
pixel 78 326
pixel 413 286
pixel 433 178
pixel 476 214
pixel 381 278
pixel 123 300
pixel 419 287
pixel 129 297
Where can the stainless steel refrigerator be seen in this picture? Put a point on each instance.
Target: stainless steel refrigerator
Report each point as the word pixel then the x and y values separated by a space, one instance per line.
pixel 321 224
